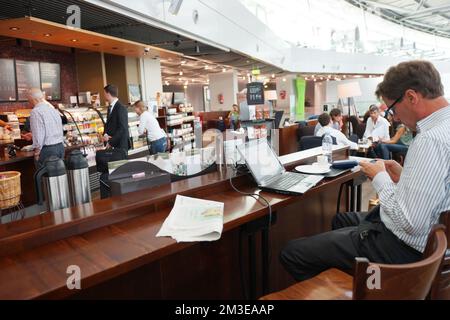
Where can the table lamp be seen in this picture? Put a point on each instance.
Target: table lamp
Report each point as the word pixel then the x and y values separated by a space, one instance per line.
pixel 349 90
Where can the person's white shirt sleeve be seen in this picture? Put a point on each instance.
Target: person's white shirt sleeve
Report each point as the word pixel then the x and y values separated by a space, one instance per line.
pixel 342 139
pixel 143 121
pixel 369 128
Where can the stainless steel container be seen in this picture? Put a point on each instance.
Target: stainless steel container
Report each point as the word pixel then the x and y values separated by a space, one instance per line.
pixel 51 182
pixel 78 172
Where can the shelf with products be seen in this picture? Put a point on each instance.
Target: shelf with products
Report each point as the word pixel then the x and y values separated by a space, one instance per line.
pixel 85 121
pixel 137 141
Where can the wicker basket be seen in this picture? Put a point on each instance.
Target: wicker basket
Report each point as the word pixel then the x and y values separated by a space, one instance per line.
pixel 9 189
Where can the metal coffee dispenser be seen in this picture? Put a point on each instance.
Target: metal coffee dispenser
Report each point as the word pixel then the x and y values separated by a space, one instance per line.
pixel 51 180
pixel 78 172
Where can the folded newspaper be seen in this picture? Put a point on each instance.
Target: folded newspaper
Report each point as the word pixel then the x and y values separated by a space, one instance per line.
pixel 193 219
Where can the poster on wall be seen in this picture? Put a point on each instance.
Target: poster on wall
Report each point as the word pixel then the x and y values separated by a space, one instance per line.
pixel 255 93
pixel 7 80
pixel 134 93
pixel 27 77
pixel 51 80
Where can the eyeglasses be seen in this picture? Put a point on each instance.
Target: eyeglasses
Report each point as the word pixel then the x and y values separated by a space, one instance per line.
pixel 392 106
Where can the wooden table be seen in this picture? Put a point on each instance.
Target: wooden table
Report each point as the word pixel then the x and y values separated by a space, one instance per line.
pixel 113 242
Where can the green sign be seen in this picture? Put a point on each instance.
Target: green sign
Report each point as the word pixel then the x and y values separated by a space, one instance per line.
pixel 300 87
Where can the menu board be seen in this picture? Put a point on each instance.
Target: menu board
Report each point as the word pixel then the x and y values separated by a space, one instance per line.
pixel 255 93
pixel 51 80
pixel 7 80
pixel 27 77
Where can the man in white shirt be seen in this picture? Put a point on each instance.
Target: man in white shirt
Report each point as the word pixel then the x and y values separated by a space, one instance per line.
pixel 336 121
pixel 149 125
pixel 327 127
pixel 411 198
pixel 377 127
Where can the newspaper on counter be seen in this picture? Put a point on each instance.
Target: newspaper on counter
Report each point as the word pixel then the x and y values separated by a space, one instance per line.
pixel 193 219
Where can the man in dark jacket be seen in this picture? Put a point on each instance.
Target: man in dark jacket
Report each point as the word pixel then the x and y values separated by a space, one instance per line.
pixel 116 128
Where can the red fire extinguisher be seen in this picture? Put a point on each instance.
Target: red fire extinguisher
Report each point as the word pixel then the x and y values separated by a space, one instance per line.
pixel 220 97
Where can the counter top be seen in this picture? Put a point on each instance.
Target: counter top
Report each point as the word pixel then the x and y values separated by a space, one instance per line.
pixel 21 156
pixel 110 237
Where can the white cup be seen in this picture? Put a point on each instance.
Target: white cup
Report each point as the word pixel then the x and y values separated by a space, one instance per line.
pixel 322 160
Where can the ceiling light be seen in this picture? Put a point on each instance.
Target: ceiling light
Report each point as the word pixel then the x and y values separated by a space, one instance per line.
pixel 206 67
pixel 265 86
pixel 179 79
pixel 181 73
pixel 183 61
pixel 224 70
pixel 273 75
pixel 14 28
pixel 47 35
pixel 74 40
pixel 344 76
pixel 284 79
pixel 185 86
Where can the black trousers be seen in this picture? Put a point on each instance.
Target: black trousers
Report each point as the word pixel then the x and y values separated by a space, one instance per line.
pixel 354 235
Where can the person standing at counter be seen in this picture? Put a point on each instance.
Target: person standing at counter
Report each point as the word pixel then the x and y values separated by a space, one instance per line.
pixel 46 128
pixel 156 137
pixel 233 116
pixel 116 128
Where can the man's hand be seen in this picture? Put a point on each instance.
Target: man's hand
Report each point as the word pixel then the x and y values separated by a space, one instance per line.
pixel 36 154
pixel 394 169
pixel 8 127
pixel 372 169
pixel 106 138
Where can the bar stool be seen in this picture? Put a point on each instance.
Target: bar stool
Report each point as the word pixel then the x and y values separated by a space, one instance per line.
pixel 411 281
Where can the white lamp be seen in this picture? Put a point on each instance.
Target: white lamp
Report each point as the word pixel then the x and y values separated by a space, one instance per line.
pixel 348 91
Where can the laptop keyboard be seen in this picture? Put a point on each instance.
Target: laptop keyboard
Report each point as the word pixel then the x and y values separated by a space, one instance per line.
pixel 287 181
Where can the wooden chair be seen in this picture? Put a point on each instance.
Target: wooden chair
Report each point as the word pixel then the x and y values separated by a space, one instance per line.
pixel 398 282
pixel 441 285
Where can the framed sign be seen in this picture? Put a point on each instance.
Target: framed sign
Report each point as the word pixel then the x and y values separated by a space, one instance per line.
pixel 51 80
pixel 255 93
pixel 7 80
pixel 28 77
pixel 134 93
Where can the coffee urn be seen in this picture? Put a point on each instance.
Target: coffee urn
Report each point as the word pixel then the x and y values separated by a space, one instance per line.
pixel 51 180
pixel 78 172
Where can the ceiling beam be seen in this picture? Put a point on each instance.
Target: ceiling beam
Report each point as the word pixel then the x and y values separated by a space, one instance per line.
pixel 426 12
pixel 375 4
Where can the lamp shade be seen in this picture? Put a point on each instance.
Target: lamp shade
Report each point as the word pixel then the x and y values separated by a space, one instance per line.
pixel 347 90
pixel 270 95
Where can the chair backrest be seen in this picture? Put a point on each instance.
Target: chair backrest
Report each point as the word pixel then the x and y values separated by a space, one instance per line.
pixel 358 126
pixel 412 281
pixel 441 285
pixel 309 142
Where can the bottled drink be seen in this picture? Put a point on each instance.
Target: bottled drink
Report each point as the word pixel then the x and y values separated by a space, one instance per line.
pixel 327 147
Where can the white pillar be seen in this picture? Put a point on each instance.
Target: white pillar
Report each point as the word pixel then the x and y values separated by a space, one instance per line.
pixel 225 84
pixel 151 79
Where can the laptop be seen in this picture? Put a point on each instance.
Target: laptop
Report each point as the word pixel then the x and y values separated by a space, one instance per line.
pixel 270 174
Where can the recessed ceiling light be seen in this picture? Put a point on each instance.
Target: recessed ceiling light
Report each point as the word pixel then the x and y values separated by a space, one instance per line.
pixel 14 28
pixel 273 75
pixel 224 70
pixel 185 86
pixel 74 40
pixel 181 73
pixel 47 35
pixel 183 62
pixel 179 79
pixel 284 79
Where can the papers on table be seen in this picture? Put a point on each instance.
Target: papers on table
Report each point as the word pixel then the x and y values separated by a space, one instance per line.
pixel 193 219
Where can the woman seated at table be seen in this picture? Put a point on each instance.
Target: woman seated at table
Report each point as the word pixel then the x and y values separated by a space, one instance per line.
pixel 233 116
pixel 399 143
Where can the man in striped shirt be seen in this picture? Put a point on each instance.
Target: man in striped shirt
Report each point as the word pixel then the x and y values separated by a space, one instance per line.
pixel 411 198
pixel 46 128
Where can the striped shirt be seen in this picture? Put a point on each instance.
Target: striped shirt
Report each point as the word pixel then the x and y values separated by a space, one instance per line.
pixel 46 125
pixel 412 206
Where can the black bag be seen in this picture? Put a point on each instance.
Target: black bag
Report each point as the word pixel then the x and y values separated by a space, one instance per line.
pixel 102 158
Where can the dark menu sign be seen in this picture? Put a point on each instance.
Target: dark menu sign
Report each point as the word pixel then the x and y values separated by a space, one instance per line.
pixel 7 80
pixel 27 77
pixel 51 80
pixel 255 93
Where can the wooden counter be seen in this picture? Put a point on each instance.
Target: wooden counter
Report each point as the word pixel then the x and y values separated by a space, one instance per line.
pixel 113 241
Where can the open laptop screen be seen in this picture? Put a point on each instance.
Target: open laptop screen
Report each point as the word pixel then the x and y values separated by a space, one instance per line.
pixel 261 160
